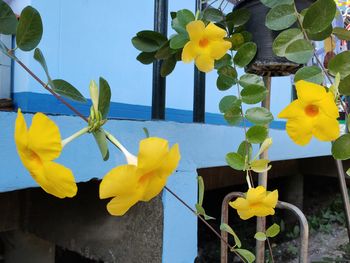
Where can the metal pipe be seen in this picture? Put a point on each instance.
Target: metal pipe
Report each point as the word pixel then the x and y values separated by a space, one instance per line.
pixel 344 193
pixel 158 82
pixel 199 84
pixel 261 221
pixel 304 227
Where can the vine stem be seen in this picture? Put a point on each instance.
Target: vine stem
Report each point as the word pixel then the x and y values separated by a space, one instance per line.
pixel 115 142
pixel 74 136
pixel 270 249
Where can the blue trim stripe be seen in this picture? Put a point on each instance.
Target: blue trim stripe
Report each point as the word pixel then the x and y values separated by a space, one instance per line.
pixel 37 102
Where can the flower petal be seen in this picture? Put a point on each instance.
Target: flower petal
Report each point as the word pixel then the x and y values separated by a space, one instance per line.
pixel 325 128
pixel 56 179
pixel 246 214
pixel 299 130
pixel 219 48
pixel 263 210
pixel 271 199
pixel 213 32
pixel 204 63
pixel 328 106
pixel 255 195
pixel 44 138
pixel 21 132
pixel 119 205
pixel 195 30
pixel 157 180
pixel 240 204
pixel 189 52
pixel 120 181
pixel 309 92
pixel 293 110
pixel 152 151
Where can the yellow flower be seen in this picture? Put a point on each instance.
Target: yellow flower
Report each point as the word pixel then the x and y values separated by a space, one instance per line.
pixel 257 202
pixel 314 113
pixel 37 148
pixel 206 44
pixel 143 178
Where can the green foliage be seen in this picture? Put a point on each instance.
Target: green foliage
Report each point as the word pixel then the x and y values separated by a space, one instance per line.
pixel 8 20
pixel 146 57
pixel 237 40
pixel 273 230
pixel 38 56
pixel 312 74
pixel 104 97
pixel 148 41
pixel 247 80
pixel 29 29
pixel 199 205
pixel 245 149
pixel 341 33
pixel 233 115
pixel 280 17
pixel 101 141
pixel 178 41
pixel 246 254
pixel 259 116
pixel 260 165
pixel 67 90
pixel 257 134
pixel 300 51
pixel 238 17
pixel 228 229
pixel 253 94
pixel 227 77
pixel 273 3
pixel 180 21
pixel 236 161
pixel 229 102
pixel 319 16
pixel 341 147
pixel 284 39
pixel 340 63
pixel 226 60
pixel 245 54
pixel 320 35
pixel 344 86
pixel 260 236
pixel 213 15
pixel 168 66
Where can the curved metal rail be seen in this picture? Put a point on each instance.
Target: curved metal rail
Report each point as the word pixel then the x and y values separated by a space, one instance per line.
pixel 304 227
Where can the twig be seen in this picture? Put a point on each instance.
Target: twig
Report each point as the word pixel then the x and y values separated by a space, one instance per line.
pixel 270 249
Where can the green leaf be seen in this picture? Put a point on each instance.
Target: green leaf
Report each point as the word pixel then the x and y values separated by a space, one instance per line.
pixel 348 172
pixel 340 63
pixel 245 54
pixel 67 90
pixel 237 40
pixel 259 116
pixel 310 74
pixel 273 3
pixel 253 94
pixel 341 33
pixel 246 254
pixel 145 44
pixel 236 161
pixel 260 236
pixel 153 35
pixel 168 66
pixel 229 102
pixel 257 134
pixel 319 16
pixel 239 17
pixel 245 149
pixel 265 146
pixel 247 80
pixel 200 190
pixel 247 36
pixel 104 97
pixel 183 17
pixel 228 229
pixel 38 56
pixel 260 166
pixel 341 147
pixel 233 115
pixel 320 35
pixel 93 88
pixel 164 52
pixel 213 15
pixel 201 211
pixel 29 29
pixel 280 17
pixel 226 60
pixel 178 41
pixel 344 86
pixel 101 141
pixel 146 57
pixel 284 39
pixel 145 130
pixel 273 230
pixel 5 51
pixel 227 77
pixel 300 51
pixel 8 20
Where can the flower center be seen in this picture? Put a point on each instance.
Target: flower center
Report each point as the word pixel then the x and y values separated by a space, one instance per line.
pixel 33 158
pixel 203 42
pixel 311 110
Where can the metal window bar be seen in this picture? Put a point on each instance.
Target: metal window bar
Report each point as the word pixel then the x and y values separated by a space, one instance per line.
pixel 5 76
pixel 199 84
pixel 304 227
pixel 159 83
